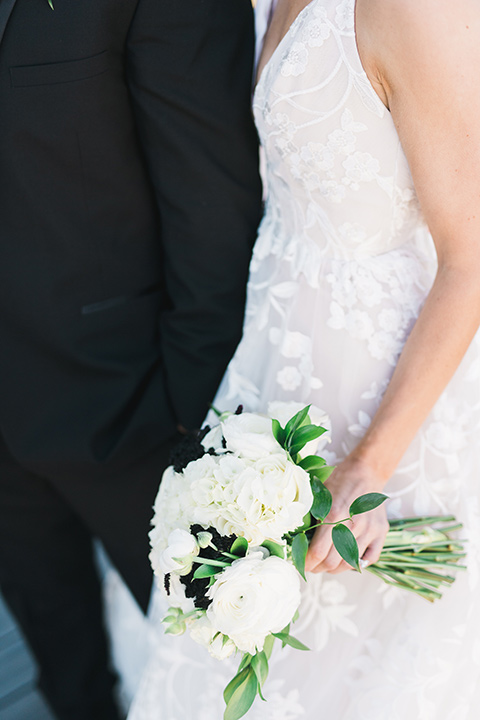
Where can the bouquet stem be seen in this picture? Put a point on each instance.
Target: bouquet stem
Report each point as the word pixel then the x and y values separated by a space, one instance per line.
pixel 415 550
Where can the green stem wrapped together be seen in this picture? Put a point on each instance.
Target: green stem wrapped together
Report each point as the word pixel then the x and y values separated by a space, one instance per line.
pixel 417 555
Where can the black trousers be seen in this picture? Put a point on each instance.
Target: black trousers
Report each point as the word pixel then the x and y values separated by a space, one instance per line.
pixel 48 576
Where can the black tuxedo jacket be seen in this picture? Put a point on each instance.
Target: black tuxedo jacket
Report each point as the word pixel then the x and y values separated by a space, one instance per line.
pixel 129 199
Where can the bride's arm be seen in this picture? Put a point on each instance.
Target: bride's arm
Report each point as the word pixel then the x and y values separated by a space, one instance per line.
pixel 424 60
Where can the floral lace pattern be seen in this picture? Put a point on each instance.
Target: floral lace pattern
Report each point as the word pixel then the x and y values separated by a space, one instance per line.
pixel 340 271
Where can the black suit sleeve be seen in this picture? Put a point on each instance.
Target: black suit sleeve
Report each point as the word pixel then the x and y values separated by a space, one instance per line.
pixel 189 70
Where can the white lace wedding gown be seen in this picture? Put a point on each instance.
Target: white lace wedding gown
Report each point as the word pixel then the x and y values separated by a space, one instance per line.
pixel 341 268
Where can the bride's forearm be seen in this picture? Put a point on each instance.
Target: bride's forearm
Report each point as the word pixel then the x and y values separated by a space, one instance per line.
pixel 432 353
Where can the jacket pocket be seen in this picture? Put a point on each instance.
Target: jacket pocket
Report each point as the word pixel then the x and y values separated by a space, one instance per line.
pixel 119 300
pixel 61 72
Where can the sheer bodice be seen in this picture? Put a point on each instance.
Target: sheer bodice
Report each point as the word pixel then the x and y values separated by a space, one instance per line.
pixel 338 163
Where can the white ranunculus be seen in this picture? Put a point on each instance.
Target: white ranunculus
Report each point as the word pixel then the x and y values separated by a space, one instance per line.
pixel 221 647
pixel 202 631
pixel 218 645
pixel 283 411
pixel 179 554
pixel 252 598
pixel 249 435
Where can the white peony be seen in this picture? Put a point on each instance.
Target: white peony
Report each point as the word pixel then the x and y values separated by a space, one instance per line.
pixel 253 598
pixel 249 435
pixel 178 556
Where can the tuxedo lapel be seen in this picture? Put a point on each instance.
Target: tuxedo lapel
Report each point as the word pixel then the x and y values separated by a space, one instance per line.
pixel 6 7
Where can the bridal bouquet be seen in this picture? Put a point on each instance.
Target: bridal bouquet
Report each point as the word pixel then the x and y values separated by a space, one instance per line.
pixel 233 519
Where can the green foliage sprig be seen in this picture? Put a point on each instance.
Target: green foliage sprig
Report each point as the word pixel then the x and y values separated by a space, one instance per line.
pixel 293 437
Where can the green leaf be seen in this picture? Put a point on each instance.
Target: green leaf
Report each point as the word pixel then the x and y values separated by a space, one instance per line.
pixel 268 646
pixel 260 667
pixel 323 473
pixel 51 4
pixel 312 462
pixel 205 571
pixel 170 618
pixel 301 418
pixel 241 698
pixel 245 661
pixel 307 521
pixel 367 502
pixel 322 500
pixel 239 547
pixel 278 433
pixel 346 545
pixel 274 548
pixel 177 628
pixel 299 552
pixel 235 683
pixel 302 436
pixel 290 640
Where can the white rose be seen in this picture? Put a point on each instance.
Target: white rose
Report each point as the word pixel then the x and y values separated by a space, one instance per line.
pixel 284 411
pixel 249 435
pixel 178 555
pixel 287 495
pixel 253 598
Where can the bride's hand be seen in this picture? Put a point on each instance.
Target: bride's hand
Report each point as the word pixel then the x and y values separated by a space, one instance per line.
pixel 348 481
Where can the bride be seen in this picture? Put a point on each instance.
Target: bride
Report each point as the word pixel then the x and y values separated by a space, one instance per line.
pixel 368 114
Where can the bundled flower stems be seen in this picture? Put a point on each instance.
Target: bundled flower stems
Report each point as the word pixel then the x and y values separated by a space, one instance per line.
pixel 233 519
pixel 420 555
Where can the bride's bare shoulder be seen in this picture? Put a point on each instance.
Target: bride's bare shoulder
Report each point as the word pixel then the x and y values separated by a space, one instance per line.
pixel 398 38
pixel 394 15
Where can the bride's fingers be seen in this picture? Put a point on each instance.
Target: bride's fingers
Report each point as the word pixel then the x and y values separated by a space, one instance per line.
pixel 319 548
pixel 372 553
pixel 363 543
pixel 331 563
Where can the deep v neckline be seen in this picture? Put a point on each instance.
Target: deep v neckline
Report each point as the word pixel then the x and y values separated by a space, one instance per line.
pixel 283 40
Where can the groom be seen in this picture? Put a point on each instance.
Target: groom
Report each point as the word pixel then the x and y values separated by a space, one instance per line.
pixel 129 199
